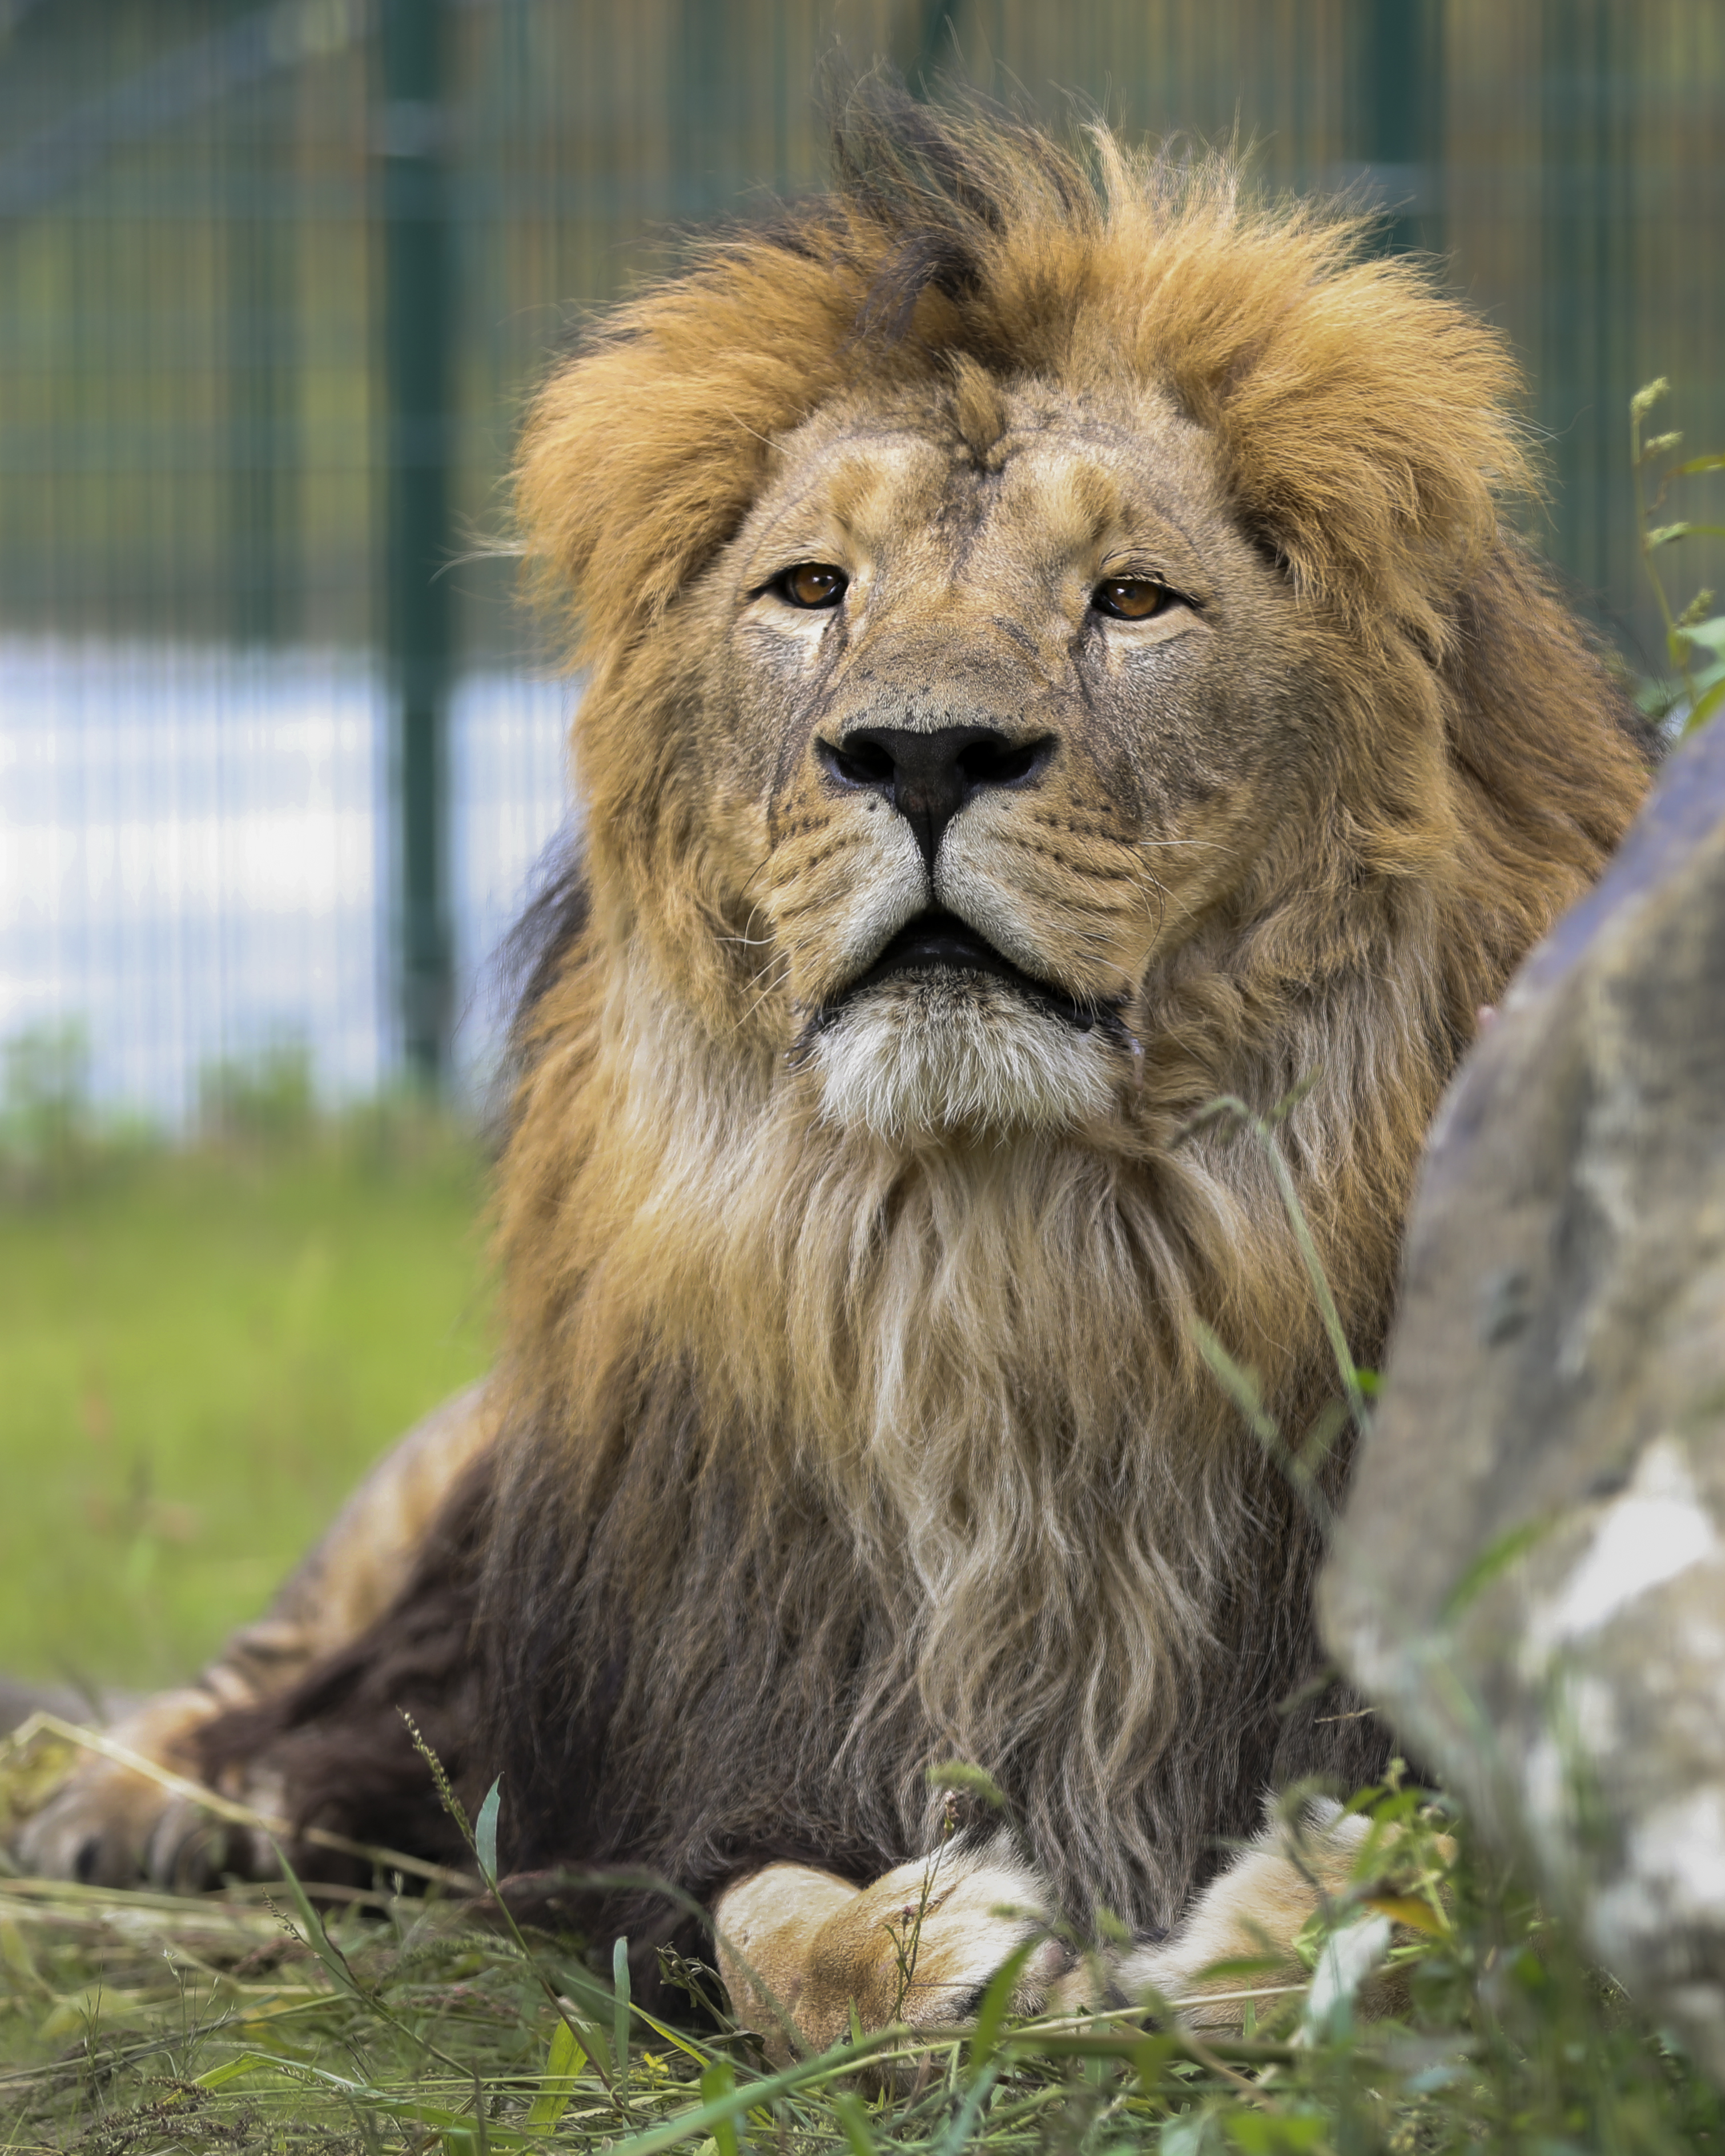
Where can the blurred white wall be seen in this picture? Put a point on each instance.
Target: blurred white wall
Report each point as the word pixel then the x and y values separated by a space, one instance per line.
pixel 193 856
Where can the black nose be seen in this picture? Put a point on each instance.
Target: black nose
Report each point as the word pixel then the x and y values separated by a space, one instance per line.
pixel 929 777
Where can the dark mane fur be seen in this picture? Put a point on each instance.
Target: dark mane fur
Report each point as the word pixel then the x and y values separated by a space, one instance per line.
pixel 677 1694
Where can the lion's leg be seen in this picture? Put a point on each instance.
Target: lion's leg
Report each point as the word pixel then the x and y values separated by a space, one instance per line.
pixel 917 1946
pixel 108 1824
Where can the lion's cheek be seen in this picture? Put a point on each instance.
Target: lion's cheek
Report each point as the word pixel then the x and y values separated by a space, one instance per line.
pixel 1058 893
pixel 842 882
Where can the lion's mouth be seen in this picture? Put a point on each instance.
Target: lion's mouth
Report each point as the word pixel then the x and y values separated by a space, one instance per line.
pixel 938 941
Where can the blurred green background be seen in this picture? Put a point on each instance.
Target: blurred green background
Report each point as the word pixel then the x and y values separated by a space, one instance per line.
pixel 277 749
pixel 196 203
pixel 200 1349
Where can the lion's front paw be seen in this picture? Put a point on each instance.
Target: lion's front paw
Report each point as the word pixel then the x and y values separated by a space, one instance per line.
pixel 109 1825
pixel 1250 1914
pixel 919 1946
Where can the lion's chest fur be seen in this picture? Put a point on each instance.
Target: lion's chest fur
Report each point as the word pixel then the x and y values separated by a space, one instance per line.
pixel 836 1464
pixel 994 1512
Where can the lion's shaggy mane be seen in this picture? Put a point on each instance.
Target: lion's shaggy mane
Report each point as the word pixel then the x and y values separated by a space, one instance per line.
pixel 828 1460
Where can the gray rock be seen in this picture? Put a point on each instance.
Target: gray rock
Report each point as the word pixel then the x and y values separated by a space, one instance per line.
pixel 1530 1579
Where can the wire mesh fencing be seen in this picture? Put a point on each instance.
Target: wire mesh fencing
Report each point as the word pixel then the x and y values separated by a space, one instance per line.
pixel 277 748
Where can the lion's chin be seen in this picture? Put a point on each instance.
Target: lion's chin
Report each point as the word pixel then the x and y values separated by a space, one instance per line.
pixel 947 1052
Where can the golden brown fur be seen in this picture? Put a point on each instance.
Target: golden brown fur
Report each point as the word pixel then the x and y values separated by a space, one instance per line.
pixel 854 1418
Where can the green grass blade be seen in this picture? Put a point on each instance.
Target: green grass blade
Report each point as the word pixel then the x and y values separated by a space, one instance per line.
pixel 965 2117
pixel 230 2069
pixel 1501 1553
pixel 667 2035
pixel 577 2005
pixel 316 1938
pixel 557 2085
pixel 1704 708
pixel 619 2011
pixel 1240 1386
pixel 997 2005
pixel 484 1833
pixel 718 2082
pixel 704 2118
pixel 853 2118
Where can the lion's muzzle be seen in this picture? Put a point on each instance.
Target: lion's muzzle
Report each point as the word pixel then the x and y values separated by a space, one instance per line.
pixel 938 941
pixel 928 776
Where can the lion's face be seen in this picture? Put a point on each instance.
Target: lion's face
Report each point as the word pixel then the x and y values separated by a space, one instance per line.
pixel 995 665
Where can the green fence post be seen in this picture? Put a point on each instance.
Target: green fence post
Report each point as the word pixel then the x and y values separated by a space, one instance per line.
pixel 258 245
pixel 935 46
pixel 1398 128
pixel 1587 370
pixel 418 316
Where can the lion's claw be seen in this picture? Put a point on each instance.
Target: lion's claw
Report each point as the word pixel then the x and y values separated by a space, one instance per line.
pixel 109 1824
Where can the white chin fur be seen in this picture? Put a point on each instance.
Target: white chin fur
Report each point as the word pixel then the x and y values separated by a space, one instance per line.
pixel 927 1053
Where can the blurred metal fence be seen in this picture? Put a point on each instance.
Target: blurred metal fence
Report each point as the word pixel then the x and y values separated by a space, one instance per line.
pixel 274 280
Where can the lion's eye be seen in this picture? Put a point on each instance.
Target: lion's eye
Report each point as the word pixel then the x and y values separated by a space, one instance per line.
pixel 812 584
pixel 1131 598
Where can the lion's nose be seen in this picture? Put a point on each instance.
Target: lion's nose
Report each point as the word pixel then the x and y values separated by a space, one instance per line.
pixel 929 777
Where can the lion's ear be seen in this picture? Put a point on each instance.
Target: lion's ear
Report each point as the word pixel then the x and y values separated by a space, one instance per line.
pixel 1554 751
pixel 1364 419
pixel 642 455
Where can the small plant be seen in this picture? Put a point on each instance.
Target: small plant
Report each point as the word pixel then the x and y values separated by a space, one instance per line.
pixel 45 1097
pixel 906 1930
pixel 1695 636
pixel 265 1099
pixel 54 1140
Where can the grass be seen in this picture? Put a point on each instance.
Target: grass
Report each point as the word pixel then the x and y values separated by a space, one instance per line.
pixel 199 1354
pixel 249 2019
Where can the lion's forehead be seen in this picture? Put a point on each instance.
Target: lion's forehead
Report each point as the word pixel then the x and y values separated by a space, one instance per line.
pixel 910 485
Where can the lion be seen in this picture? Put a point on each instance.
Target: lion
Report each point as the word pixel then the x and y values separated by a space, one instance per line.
pixel 1055 657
